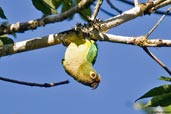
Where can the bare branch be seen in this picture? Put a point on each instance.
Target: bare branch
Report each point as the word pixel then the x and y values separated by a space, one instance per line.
pixel 34 84
pixel 113 7
pixel 30 44
pixel 125 16
pixel 156 2
pixel 33 24
pixel 159 21
pixel 96 10
pixel 40 42
pixel 55 39
pixel 157 60
pixel 107 12
pixel 159 4
pixel 150 53
pixel 140 40
pixel 136 3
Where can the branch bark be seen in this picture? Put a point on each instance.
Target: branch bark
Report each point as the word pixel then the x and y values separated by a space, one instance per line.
pixel 155 2
pixel 46 85
pixel 138 41
pixel 60 38
pixel 36 43
pixel 33 24
pixel 54 39
pixel 133 13
pixel 157 60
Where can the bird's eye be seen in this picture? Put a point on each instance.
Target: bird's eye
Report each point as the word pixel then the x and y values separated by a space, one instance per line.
pixel 93 75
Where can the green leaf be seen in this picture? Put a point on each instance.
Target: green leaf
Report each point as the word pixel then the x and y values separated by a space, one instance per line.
pixel 5 40
pixel 67 4
pixel 160 100
pixel 47 7
pixel 165 78
pixel 157 91
pixel 85 13
pixel 56 3
pixel 2 15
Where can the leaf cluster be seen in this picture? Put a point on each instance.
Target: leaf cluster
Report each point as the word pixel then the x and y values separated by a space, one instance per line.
pixel 49 7
pixel 161 96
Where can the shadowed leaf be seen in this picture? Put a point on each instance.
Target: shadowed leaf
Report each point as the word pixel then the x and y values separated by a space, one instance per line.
pixel 2 15
pixel 157 91
pixel 85 12
pixel 47 7
pixel 5 40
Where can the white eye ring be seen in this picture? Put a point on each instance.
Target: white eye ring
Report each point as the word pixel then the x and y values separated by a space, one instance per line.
pixel 93 75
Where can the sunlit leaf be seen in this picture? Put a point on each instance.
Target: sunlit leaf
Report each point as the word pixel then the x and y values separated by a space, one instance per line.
pixel 152 110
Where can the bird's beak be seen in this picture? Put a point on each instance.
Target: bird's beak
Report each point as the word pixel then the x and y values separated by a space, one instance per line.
pixel 95 84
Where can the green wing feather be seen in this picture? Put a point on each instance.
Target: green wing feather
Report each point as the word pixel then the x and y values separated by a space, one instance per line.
pixel 92 53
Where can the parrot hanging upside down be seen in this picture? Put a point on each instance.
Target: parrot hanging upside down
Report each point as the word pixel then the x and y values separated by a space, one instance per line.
pixel 78 62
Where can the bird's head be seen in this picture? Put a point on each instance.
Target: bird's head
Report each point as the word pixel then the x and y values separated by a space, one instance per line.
pixel 88 76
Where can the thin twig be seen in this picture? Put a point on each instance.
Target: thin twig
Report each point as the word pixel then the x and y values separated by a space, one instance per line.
pixel 159 21
pixel 34 84
pixel 157 60
pixel 96 10
pixel 113 7
pixel 150 53
pixel 107 12
pixel 135 2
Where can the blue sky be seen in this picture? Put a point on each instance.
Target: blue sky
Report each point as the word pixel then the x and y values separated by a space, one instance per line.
pixel 126 71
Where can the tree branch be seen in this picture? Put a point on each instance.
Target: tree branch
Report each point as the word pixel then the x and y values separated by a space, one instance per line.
pixel 124 17
pixel 96 10
pixel 33 24
pixel 36 43
pixel 128 15
pixel 113 7
pixel 155 2
pixel 138 41
pixel 107 24
pixel 157 60
pixel 136 3
pixel 55 39
pixel 150 53
pixel 34 84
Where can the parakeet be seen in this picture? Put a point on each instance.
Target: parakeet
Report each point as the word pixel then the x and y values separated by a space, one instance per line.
pixel 78 62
